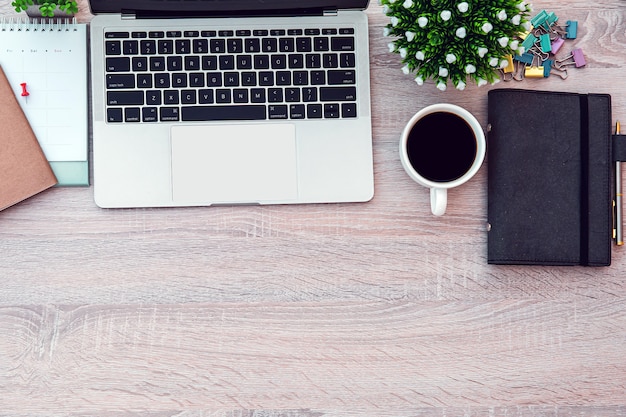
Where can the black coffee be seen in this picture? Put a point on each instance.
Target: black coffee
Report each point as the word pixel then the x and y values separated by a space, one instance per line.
pixel 441 147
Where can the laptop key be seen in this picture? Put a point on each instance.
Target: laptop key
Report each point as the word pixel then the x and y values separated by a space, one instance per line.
pixel 297 111
pixel 113 47
pixel 115 115
pixel 314 111
pixel 337 93
pixel 132 114
pixel 331 111
pixel 342 43
pixel 170 114
pixel 149 114
pixel 125 98
pixel 231 112
pixel 277 111
pixel 120 81
pixel 118 64
pixel 348 110
pixel 337 77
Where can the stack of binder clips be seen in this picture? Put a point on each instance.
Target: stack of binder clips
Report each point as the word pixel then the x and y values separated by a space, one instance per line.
pixel 541 44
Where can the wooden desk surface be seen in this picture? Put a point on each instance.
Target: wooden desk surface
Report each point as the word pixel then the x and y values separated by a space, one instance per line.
pixel 376 309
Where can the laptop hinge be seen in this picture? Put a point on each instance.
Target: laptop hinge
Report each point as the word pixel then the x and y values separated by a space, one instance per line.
pixel 128 16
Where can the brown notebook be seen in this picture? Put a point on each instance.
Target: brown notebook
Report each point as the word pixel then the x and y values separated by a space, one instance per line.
pixel 24 170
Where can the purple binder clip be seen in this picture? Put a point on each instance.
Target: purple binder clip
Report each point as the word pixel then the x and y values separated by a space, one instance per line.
pixel 576 58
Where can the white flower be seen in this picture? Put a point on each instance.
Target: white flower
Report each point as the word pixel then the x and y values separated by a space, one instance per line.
pixel 443 72
pixel 408 4
pixel 394 21
pixel 386 8
pixel 481 82
pixel 503 41
pixel 516 19
pixel 482 52
pixel 406 70
pixel 403 52
pixel 387 31
pixel 522 6
pixel 487 27
pixel 521 50
pixel 494 62
pixel 460 86
pixel 419 55
pixel 461 32
pixel 463 7
pixel 409 35
pixel 527 26
pixel 470 69
pixel 450 58
pixel 514 44
pixel 446 15
pixel 441 86
pixel 419 80
pixel 504 63
pixel 422 21
pixel 502 15
pixel 391 47
pixel 496 81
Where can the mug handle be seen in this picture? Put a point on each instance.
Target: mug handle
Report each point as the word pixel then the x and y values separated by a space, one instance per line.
pixel 438 201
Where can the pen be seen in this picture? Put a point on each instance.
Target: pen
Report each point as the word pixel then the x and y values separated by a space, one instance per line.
pixel 619 238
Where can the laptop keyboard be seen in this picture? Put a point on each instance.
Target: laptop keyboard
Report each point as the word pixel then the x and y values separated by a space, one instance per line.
pixel 212 75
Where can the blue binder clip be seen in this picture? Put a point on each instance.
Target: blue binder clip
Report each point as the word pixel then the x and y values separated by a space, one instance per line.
pixel 572 29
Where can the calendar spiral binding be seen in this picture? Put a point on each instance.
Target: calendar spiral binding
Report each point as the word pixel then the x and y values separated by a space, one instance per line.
pixel 18 24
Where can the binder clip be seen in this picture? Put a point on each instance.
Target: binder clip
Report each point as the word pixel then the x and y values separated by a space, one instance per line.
pixel 557 44
pixel 534 72
pixel 545 43
pixel 576 58
pixel 548 68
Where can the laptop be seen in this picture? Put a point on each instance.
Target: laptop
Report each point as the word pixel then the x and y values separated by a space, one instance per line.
pixel 225 102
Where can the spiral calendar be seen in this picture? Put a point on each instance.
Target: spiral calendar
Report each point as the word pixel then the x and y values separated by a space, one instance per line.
pixel 45 62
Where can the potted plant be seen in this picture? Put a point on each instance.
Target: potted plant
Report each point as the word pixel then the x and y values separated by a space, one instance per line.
pixel 46 8
pixel 456 41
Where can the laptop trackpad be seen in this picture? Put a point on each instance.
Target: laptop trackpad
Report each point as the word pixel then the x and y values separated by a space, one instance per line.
pixel 234 164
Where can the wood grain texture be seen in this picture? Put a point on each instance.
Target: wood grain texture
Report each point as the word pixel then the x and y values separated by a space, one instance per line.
pixel 375 309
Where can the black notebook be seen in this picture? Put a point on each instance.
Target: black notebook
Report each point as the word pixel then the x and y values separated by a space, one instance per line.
pixel 550 178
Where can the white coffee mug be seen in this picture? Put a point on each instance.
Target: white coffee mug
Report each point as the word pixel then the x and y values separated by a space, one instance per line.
pixel 442 147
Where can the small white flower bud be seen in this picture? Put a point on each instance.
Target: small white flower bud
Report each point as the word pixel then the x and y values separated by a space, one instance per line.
pixel 487 27
pixel 406 70
pixel 502 15
pixel 494 62
pixel 446 15
pixel 450 58
pixel 403 52
pixel 503 41
pixel 443 72
pixel 470 69
pixel 516 19
pixel 394 21
pixel 460 86
pixel 481 82
pixel 504 63
pixel 407 4
pixel 419 80
pixel 441 86
pixel 461 32
pixel 463 7
pixel 391 47
pixel 419 55
pixel 482 52
pixel 386 31
pixel 409 35
pixel 422 21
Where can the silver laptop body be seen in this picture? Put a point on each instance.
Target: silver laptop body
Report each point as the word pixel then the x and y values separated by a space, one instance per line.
pixel 189 110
